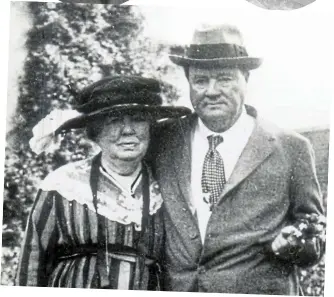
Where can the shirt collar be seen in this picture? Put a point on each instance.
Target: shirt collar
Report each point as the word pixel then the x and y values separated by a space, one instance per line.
pixel 240 127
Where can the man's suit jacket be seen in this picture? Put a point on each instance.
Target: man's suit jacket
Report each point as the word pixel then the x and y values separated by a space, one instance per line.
pixel 272 184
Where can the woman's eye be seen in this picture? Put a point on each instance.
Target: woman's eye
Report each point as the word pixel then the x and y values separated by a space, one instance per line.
pixel 139 119
pixel 113 120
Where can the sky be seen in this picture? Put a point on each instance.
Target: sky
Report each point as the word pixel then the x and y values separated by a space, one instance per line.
pixel 292 87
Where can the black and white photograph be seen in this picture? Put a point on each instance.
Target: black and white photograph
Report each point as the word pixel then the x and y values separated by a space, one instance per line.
pixel 167 148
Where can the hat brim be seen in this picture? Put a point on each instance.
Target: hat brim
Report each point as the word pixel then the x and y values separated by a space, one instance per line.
pixel 153 112
pixel 248 63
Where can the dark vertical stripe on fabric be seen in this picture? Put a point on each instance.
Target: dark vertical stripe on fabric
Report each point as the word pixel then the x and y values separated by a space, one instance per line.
pixel 60 210
pixel 114 273
pixel 26 261
pixel 151 235
pixel 76 270
pixel 132 276
pixel 87 226
pixel 58 275
pixel 69 276
pixel 50 255
pixel 64 276
pixel 43 217
pixel 24 265
pixel 91 271
pixel 101 253
pixel 101 220
pixel 137 274
pixel 96 283
pixel 120 233
pixel 80 276
pixel 40 229
pixel 74 219
pixel 136 237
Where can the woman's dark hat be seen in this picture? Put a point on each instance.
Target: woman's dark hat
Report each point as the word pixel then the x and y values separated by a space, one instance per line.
pixel 215 45
pixel 121 94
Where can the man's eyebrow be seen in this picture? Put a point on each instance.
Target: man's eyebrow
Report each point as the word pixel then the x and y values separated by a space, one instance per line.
pixel 199 76
pixel 226 72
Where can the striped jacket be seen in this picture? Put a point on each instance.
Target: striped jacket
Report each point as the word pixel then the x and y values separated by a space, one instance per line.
pixel 67 244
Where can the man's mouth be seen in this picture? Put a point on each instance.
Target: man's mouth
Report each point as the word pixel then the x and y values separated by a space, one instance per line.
pixel 218 103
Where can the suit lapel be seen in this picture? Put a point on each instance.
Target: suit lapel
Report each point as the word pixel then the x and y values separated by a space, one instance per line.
pixel 259 147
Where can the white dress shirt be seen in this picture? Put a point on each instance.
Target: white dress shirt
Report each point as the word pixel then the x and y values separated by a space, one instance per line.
pixel 235 140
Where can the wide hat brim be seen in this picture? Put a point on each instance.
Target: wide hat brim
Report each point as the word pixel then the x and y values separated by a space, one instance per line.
pixel 154 113
pixel 248 63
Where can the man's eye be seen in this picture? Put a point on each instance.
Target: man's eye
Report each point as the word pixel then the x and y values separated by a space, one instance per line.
pixel 225 78
pixel 200 81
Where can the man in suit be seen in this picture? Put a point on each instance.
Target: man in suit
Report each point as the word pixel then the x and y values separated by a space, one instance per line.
pixel 236 188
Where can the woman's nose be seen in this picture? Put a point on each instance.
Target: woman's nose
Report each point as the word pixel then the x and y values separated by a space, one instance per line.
pixel 128 126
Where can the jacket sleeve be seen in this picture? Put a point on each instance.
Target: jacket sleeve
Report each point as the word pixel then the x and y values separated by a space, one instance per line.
pixel 38 243
pixel 306 199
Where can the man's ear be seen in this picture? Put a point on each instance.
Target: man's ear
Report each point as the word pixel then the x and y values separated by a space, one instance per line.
pixel 247 75
pixel 245 72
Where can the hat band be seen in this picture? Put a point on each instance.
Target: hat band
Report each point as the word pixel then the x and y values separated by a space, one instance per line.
pixel 106 100
pixel 215 51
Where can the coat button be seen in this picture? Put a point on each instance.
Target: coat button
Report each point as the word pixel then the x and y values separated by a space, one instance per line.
pixel 201 270
pixel 193 235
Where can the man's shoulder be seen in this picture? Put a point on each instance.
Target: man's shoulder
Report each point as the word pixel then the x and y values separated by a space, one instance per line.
pixel 171 127
pixel 175 123
pixel 286 137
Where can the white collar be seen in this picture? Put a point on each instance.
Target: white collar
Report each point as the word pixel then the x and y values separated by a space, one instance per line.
pixel 127 183
pixel 240 127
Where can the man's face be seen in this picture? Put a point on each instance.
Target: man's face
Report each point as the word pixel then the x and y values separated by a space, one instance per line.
pixel 125 137
pixel 217 94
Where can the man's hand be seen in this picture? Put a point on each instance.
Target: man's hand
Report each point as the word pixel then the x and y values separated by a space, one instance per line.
pixel 286 240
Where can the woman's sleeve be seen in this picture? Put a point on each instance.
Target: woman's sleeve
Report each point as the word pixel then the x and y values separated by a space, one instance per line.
pixel 38 243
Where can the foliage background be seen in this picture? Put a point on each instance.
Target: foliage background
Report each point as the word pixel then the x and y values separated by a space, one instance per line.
pixel 69 46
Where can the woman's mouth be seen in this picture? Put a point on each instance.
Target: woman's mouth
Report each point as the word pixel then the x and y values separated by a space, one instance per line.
pixel 129 145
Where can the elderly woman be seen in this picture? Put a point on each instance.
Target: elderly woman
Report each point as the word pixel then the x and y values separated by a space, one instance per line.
pixel 97 223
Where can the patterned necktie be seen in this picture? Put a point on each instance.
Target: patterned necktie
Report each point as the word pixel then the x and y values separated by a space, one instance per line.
pixel 213 174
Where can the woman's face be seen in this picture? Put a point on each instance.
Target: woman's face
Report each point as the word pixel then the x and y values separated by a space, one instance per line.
pixel 125 137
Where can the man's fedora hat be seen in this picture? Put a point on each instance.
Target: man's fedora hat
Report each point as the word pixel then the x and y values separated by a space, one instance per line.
pixel 215 45
pixel 119 95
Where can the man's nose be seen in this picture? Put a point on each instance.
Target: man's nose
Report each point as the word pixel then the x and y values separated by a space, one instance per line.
pixel 212 90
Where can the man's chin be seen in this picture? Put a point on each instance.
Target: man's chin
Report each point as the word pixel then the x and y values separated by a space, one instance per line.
pixel 215 114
